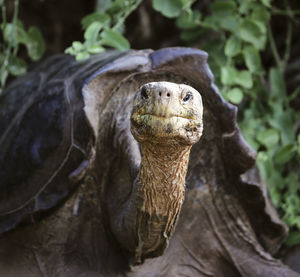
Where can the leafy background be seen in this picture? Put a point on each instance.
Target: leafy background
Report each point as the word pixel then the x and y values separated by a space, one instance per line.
pixel 254 53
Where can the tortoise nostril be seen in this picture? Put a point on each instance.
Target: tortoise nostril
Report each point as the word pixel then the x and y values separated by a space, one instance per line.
pixel 168 94
pixel 159 94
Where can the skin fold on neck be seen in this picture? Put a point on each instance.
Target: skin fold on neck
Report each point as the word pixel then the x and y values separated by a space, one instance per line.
pixel 160 194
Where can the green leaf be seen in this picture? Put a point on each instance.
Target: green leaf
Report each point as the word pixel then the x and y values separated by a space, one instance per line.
pixel 17 66
pixel 272 177
pixel 293 203
pixel 228 75
pixel 283 121
pixel 186 4
pixel 33 40
pixel 95 49
pixel 251 32
pixel 10 34
pixel 3 77
pixel 261 14
pixel 235 95
pixel 35 44
pixel 293 238
pixel 224 14
pixel 102 18
pixel 117 7
pixel 115 40
pixel 70 51
pixel 276 180
pixel 75 49
pixel 102 5
pixel 294 94
pixel 291 208
pixel 217 58
pixel 252 59
pixel 261 17
pixel 265 164
pixel 245 6
pixel 243 78
pixel 82 56
pixel 277 83
pixel 269 138
pixel 285 154
pixel 230 24
pixel 292 183
pixel 191 35
pixel 92 32
pixel 77 46
pixel 249 126
pixel 22 35
pixel 233 46
pixel 267 3
pixel 275 196
pixel 189 20
pixel 211 22
pixel 169 8
pixel 223 8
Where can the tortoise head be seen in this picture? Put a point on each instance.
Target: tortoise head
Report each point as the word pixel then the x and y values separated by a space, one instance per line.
pixel 167 113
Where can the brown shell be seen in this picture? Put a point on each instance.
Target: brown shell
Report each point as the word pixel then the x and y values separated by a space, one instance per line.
pixel 45 136
pixel 48 126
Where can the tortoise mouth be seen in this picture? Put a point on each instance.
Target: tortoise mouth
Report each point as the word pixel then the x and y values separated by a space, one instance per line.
pixel 163 117
pixel 165 128
pixel 157 121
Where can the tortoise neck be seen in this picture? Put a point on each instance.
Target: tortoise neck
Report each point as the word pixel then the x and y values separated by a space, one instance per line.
pixel 162 176
pixel 160 194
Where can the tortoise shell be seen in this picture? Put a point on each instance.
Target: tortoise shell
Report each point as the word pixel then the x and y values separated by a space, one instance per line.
pixel 48 122
pixel 45 136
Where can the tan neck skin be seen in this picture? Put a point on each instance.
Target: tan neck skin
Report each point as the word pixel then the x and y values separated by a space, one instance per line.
pixel 162 177
pixel 146 221
pixel 160 195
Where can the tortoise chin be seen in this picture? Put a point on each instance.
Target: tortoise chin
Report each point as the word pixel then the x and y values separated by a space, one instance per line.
pixel 165 130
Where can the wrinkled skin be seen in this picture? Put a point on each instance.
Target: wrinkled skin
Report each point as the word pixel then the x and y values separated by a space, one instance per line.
pixel 167 113
pixel 226 226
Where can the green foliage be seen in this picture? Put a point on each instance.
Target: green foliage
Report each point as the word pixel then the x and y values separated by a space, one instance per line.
pixel 235 95
pixel 169 8
pixel 104 28
pixel 172 8
pixel 234 34
pixel 13 35
pixel 233 46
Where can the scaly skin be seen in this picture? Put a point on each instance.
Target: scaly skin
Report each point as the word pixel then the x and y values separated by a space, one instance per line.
pixel 166 120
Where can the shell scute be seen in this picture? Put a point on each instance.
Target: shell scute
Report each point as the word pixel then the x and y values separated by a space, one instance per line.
pixel 32 140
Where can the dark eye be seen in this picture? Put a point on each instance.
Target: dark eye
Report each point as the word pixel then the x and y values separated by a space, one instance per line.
pixel 187 97
pixel 144 94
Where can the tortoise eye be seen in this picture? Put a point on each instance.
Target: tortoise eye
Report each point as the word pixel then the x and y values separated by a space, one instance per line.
pixel 144 94
pixel 187 97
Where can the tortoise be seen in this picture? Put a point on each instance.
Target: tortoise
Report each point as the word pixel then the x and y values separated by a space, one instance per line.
pixel 95 179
